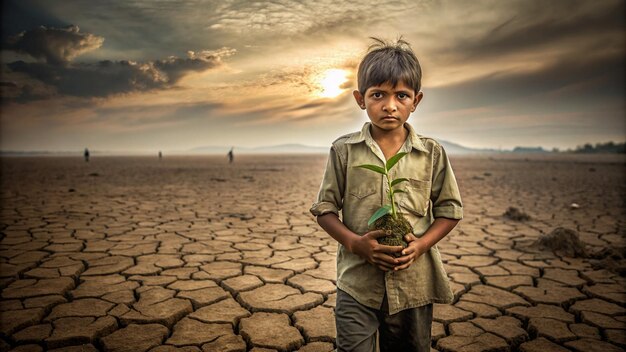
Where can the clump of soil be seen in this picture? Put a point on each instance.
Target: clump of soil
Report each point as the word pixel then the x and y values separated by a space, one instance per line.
pixel 564 241
pixel 399 228
pixel 516 214
pixel 612 259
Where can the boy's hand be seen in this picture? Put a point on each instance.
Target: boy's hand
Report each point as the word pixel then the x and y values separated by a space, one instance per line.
pixel 414 249
pixel 369 249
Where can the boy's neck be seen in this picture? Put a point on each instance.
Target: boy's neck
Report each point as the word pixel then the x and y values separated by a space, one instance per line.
pixel 394 136
pixel 390 142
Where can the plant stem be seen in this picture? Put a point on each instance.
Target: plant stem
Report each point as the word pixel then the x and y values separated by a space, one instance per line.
pixel 393 205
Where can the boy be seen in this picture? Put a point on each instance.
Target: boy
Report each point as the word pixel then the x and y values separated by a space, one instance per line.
pixel 375 289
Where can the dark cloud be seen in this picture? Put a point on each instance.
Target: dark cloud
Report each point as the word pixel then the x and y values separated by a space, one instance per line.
pixel 568 84
pixel 543 25
pixel 108 77
pixel 21 15
pixel 55 46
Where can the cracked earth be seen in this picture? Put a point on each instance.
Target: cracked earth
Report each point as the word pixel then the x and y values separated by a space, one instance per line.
pixel 193 254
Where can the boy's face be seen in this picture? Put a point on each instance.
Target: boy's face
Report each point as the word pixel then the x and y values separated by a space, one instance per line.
pixel 388 107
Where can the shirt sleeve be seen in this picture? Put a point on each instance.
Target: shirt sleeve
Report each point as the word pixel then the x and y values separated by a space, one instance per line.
pixel 445 195
pixel 330 196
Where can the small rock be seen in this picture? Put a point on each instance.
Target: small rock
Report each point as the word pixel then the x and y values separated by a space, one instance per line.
pixel 516 214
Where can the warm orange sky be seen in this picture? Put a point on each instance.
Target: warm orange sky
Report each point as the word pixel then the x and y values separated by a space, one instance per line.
pixel 140 76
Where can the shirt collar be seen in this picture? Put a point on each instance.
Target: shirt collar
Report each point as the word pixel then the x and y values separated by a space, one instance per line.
pixel 413 139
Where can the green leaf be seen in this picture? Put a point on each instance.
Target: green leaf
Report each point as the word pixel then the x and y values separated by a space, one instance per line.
pixel 393 160
pixel 382 211
pixel 375 168
pixel 398 180
pixel 398 191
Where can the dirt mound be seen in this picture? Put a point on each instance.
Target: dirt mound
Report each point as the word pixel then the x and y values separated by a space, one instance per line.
pixel 562 241
pixel 565 242
pixel 516 214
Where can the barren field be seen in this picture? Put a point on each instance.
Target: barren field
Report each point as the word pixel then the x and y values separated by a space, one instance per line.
pixel 195 254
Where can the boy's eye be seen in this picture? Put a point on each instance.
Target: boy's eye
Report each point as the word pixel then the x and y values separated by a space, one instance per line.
pixel 402 95
pixel 377 95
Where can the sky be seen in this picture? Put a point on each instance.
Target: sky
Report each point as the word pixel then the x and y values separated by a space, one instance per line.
pixel 173 75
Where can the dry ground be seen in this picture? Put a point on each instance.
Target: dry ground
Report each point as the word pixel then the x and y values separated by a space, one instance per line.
pixel 191 254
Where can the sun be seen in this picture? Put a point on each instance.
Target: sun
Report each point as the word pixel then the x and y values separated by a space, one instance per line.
pixel 331 81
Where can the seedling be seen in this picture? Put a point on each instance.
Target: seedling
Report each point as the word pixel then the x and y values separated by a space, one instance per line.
pixel 388 216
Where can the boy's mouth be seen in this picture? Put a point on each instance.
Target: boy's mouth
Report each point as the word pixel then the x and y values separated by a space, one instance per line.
pixel 390 117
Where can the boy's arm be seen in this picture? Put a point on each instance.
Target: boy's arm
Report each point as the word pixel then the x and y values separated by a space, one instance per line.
pixel 418 246
pixel 364 246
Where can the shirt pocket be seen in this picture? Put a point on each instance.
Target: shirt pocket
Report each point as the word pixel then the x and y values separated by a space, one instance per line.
pixel 361 193
pixel 417 197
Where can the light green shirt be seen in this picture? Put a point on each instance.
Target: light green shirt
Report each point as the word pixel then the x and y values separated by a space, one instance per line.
pixel 431 192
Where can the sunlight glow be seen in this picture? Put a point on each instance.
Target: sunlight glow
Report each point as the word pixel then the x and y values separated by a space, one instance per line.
pixel 331 82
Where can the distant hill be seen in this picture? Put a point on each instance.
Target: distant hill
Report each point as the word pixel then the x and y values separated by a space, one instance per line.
pixel 272 149
pixel 451 148
pixel 457 149
pixel 294 148
pixel 529 150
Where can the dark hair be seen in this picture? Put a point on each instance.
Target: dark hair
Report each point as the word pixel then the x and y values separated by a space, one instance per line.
pixel 389 62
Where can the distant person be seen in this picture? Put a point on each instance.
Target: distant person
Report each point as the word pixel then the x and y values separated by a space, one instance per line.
pixel 86 154
pixel 375 289
pixel 231 156
pixel 160 155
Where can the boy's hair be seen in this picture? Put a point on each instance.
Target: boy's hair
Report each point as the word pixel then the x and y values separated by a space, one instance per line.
pixel 389 62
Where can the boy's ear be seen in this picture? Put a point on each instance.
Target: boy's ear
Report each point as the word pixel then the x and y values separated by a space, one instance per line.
pixel 359 98
pixel 418 98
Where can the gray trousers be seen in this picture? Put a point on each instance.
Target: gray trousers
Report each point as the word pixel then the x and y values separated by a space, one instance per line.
pixel 406 331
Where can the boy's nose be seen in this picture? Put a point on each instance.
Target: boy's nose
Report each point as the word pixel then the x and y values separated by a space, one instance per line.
pixel 389 106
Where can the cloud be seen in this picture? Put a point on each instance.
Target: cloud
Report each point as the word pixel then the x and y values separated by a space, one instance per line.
pixel 113 77
pixel 532 26
pixel 296 17
pixel 55 46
